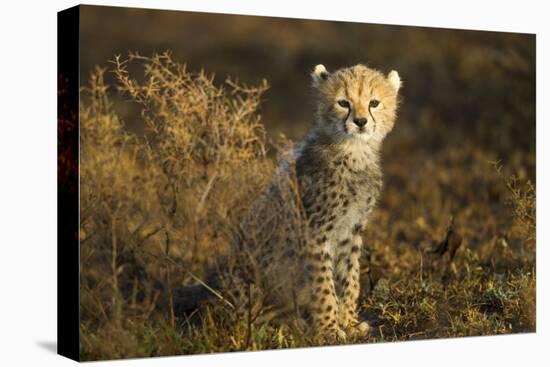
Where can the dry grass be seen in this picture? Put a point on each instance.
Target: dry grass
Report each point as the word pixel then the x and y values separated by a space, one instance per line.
pixel 158 209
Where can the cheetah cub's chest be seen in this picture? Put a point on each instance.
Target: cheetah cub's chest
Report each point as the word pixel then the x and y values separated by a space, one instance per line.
pixel 340 189
pixel 358 182
pixel 353 181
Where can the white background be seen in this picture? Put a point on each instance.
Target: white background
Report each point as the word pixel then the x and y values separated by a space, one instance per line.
pixel 28 181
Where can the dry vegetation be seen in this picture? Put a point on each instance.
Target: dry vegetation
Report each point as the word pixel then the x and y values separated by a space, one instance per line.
pixel 156 210
pixel 450 250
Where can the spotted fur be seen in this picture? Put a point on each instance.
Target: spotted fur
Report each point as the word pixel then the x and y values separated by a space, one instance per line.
pixel 315 270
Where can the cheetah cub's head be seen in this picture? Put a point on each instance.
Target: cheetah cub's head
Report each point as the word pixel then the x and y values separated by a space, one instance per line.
pixel 356 102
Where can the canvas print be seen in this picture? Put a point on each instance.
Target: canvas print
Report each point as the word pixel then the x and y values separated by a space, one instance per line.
pixel 239 183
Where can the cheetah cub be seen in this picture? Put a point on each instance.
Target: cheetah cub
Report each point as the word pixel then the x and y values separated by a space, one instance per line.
pixel 315 271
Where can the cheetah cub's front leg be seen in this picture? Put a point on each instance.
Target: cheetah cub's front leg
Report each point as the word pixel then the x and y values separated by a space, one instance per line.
pixel 347 285
pixel 323 305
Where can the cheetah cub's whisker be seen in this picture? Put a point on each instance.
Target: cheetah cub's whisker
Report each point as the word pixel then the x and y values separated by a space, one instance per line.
pixel 313 270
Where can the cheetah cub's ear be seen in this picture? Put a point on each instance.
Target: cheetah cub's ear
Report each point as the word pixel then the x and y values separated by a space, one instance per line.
pixel 319 74
pixel 394 79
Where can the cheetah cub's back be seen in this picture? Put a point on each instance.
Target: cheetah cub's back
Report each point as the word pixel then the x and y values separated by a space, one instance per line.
pixel 300 245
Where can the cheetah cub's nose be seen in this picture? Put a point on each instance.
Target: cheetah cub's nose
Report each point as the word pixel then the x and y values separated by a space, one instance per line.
pixel 360 121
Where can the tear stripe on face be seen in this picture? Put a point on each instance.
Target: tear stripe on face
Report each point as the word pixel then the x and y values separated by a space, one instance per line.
pixel 346 119
pixel 371 115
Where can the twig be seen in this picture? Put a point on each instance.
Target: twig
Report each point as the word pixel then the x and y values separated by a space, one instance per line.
pixel 206 191
pixel 213 291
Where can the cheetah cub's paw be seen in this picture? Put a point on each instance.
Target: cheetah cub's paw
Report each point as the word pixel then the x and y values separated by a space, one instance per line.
pixel 360 329
pixel 363 328
pixel 333 335
pixel 340 335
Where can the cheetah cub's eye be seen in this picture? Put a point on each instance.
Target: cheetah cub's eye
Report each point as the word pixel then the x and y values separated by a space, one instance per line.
pixel 343 103
pixel 374 103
